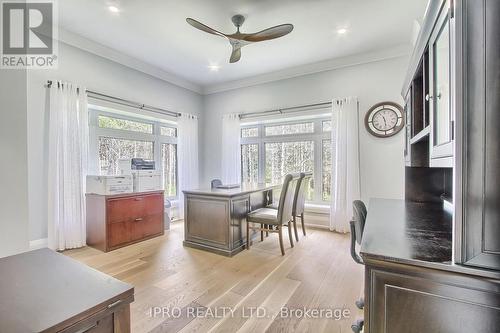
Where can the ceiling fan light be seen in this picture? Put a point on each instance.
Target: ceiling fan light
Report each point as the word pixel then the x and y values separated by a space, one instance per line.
pixel 114 9
pixel 213 67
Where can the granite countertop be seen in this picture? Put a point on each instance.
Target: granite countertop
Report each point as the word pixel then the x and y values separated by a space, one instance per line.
pixel 410 232
pixel 413 233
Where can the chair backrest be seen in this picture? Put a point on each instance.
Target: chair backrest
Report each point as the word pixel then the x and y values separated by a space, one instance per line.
pixel 357 227
pixel 286 199
pixel 299 200
pixel 215 183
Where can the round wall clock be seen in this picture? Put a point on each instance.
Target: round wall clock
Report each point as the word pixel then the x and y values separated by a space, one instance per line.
pixel 384 119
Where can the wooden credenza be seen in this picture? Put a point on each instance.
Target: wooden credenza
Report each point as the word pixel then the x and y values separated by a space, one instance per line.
pixel 114 221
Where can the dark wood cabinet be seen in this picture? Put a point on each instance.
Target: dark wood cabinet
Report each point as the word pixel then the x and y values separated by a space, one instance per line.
pixel 115 221
pixel 428 91
pixel 481 139
pixel 412 281
pixel 405 298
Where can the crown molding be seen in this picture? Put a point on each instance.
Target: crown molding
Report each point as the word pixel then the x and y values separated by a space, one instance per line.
pixel 398 51
pixel 93 47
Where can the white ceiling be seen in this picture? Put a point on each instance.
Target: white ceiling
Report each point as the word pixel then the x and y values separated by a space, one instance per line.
pixel 155 32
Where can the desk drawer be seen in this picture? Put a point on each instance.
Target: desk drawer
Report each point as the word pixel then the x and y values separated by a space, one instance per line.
pixel 131 208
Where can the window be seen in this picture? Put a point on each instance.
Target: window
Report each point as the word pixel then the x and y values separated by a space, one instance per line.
pixel 289 147
pixel 250 163
pixel 250 132
pixel 283 158
pixel 112 149
pixel 124 124
pixel 289 129
pixel 326 170
pixel 168 131
pixel 169 164
pixel 115 136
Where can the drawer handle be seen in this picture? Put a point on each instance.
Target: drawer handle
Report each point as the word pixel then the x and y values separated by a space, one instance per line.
pixel 138 219
pixel 138 199
pixel 112 305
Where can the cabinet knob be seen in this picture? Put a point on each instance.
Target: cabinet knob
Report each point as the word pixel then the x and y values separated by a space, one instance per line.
pixel 428 97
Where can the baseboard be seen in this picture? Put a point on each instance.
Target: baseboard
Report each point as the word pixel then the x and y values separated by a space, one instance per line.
pixel 317 226
pixel 39 244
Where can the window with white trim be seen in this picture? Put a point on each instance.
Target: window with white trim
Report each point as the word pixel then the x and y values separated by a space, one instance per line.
pixel 269 151
pixel 116 136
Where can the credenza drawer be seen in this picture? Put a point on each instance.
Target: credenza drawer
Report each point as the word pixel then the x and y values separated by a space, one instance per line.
pixel 115 221
pixel 120 233
pixel 131 208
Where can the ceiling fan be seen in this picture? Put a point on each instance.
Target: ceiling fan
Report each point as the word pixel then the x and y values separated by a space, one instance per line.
pixel 238 39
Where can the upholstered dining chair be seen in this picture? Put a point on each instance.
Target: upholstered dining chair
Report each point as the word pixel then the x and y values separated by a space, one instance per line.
pixel 273 220
pixel 215 183
pixel 299 200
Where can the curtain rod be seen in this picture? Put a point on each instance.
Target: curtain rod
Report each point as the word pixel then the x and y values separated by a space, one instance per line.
pixel 125 102
pixel 291 109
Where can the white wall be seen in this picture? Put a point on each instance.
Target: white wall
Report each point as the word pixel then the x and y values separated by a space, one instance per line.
pixel 13 168
pixel 382 163
pixel 98 74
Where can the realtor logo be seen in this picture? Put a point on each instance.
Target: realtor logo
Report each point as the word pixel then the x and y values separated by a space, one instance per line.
pixel 28 34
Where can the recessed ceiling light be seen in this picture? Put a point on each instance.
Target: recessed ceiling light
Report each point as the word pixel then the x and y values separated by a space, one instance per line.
pixel 341 31
pixel 214 67
pixel 114 9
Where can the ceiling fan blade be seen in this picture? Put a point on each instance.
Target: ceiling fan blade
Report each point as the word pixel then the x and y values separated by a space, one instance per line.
pixel 236 54
pixel 202 27
pixel 271 33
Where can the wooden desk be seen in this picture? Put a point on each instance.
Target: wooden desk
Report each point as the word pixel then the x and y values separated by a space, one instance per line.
pixel 44 291
pixel 411 283
pixel 215 219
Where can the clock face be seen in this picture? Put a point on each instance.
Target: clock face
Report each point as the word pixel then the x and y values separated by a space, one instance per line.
pixel 384 119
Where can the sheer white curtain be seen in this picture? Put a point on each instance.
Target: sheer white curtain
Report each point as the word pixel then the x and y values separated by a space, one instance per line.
pixel 187 145
pixel 67 166
pixel 345 166
pixel 231 150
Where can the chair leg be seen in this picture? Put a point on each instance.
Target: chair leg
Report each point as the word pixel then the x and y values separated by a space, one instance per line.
pixel 280 233
pixel 302 220
pixel 357 326
pixel 248 235
pixel 360 303
pixel 290 232
pixel 262 234
pixel 295 228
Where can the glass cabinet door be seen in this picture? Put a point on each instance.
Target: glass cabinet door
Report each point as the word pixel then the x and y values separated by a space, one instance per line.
pixel 439 92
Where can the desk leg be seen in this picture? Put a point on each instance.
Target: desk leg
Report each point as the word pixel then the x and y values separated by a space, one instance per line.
pixel 121 320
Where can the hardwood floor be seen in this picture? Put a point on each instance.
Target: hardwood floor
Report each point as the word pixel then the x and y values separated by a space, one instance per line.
pixel 196 287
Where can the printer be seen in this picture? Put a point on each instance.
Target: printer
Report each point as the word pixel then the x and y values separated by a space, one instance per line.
pixel 126 165
pixel 144 175
pixel 142 164
pixel 109 185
